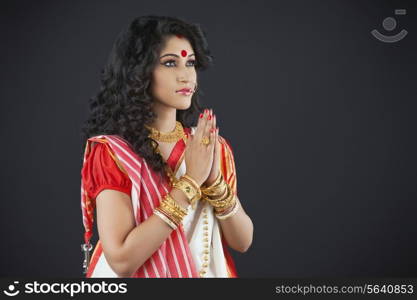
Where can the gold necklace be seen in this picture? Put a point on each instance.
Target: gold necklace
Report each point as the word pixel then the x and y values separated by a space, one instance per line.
pixel 170 137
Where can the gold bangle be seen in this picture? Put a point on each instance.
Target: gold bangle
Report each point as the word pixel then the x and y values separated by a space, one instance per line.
pixel 170 215
pixel 172 210
pixel 230 214
pixel 198 195
pixel 223 208
pixel 218 196
pixel 170 203
pixel 186 187
pixel 224 202
pixel 165 218
pixel 197 186
pixel 216 182
pixel 216 189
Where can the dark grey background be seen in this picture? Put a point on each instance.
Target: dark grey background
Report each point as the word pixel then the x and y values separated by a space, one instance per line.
pixel 320 115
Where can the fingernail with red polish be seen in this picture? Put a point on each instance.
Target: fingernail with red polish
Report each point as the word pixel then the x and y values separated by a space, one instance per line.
pixel 205 111
pixel 209 117
pixel 201 116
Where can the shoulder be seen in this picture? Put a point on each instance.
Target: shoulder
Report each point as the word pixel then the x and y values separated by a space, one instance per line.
pixel 117 144
pixel 100 145
pixel 109 139
pixel 102 159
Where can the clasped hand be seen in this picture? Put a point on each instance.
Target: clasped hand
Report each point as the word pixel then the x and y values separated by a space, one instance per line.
pixel 203 160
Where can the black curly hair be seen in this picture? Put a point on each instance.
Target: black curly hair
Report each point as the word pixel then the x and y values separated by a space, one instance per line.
pixel 123 104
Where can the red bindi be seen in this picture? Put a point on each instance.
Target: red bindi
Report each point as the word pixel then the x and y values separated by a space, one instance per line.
pixel 179 36
pixel 183 53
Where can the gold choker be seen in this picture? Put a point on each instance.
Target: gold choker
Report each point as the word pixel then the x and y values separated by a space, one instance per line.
pixel 170 137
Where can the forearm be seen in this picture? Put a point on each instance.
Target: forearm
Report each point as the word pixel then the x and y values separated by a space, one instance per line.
pixel 145 239
pixel 238 230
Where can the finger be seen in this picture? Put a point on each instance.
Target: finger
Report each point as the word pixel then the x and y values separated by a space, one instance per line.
pixel 212 139
pixel 214 122
pixel 218 148
pixel 214 142
pixel 198 128
pixel 201 124
pixel 218 141
pixel 209 120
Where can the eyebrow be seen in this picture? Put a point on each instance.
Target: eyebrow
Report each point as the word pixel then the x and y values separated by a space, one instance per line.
pixel 175 55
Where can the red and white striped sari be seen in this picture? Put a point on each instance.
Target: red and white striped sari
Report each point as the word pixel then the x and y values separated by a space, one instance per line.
pixel 174 257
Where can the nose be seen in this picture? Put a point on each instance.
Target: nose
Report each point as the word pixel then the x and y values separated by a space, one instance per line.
pixel 183 78
pixel 184 74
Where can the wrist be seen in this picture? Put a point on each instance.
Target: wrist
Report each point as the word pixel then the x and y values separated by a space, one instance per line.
pixel 195 179
pixel 180 198
pixel 190 188
pixel 210 182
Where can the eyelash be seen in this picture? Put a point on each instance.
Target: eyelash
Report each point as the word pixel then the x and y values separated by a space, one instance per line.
pixel 169 61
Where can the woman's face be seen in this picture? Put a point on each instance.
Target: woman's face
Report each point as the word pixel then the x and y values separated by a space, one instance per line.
pixel 174 71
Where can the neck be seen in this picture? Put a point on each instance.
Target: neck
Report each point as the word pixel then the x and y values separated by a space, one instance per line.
pixel 166 118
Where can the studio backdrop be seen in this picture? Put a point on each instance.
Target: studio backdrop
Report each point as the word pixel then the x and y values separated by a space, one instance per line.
pixel 317 100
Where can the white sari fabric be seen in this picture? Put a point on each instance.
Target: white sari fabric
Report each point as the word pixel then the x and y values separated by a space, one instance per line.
pixel 195 228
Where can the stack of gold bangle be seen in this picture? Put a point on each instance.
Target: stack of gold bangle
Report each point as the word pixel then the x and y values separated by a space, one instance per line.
pixel 170 212
pixel 221 197
pixel 190 188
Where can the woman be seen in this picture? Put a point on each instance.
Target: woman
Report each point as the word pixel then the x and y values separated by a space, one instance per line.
pixel 164 192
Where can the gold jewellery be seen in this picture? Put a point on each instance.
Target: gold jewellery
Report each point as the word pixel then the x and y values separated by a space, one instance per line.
pixel 205 140
pixel 170 212
pixel 190 188
pixel 170 137
pixel 221 197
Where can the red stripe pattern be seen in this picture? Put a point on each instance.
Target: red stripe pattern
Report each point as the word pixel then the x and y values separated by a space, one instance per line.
pixel 173 258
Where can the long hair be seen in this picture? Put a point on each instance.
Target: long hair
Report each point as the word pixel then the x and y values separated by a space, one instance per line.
pixel 123 104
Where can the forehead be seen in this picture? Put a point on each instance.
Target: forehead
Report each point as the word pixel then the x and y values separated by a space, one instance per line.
pixel 175 45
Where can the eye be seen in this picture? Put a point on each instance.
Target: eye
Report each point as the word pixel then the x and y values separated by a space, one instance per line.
pixel 169 63
pixel 192 62
pixel 172 63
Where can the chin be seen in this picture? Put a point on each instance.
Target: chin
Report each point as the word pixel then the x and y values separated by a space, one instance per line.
pixel 185 105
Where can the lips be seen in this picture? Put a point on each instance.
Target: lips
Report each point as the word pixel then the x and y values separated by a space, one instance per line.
pixel 184 90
